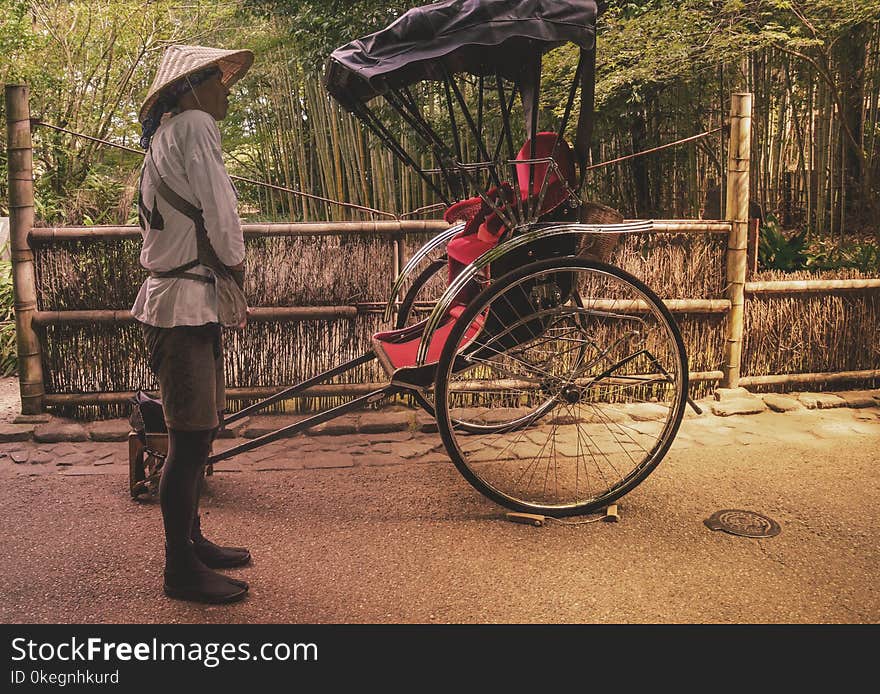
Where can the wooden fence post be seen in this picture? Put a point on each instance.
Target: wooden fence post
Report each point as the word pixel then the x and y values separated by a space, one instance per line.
pixel 21 219
pixel 737 212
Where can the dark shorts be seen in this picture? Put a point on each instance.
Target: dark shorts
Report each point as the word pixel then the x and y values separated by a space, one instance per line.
pixel 188 361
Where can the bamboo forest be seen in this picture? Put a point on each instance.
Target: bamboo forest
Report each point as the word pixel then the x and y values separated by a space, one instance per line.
pixel 665 71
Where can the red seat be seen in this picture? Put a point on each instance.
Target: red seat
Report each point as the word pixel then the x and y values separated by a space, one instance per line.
pixel 484 230
pixel 398 348
pixel 466 249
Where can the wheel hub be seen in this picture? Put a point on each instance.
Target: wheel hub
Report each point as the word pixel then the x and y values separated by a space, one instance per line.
pixel 545 295
pixel 571 394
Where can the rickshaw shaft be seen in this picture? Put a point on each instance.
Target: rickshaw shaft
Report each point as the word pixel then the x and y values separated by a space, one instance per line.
pixel 304 424
pixel 299 387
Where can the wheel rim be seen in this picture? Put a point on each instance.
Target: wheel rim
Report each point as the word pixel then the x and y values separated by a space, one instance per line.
pixel 611 373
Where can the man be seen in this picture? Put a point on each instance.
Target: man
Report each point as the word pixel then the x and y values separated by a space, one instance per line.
pixel 185 191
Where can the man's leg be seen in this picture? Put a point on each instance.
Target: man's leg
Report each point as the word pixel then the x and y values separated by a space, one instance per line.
pixel 215 556
pixel 186 576
pixel 182 357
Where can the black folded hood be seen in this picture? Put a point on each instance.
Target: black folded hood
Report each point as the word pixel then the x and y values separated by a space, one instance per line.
pixel 475 36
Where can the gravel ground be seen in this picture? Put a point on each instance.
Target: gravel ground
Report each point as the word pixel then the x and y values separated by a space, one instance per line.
pixel 10 401
pixel 395 540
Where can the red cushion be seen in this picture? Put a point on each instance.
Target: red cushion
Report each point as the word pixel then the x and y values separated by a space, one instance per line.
pixel 403 353
pixel 545 143
pixel 466 249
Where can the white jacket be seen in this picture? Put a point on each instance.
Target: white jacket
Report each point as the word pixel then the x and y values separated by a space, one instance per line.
pixel 186 150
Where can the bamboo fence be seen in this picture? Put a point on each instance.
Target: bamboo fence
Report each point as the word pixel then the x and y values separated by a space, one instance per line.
pixel 322 287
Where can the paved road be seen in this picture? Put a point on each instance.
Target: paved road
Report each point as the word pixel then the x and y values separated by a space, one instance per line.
pixel 347 529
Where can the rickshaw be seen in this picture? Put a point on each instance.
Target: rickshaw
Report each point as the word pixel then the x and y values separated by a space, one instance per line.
pixel 557 380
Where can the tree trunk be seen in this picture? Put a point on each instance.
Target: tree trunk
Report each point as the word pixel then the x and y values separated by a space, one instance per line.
pixel 849 56
pixel 641 188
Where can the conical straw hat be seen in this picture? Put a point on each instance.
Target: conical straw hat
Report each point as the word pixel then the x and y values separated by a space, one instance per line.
pixel 180 61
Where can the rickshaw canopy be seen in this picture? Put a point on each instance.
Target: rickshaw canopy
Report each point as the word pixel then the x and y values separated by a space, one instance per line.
pixel 455 36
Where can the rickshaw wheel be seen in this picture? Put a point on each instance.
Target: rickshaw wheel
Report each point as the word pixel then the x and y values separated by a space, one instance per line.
pixel 609 368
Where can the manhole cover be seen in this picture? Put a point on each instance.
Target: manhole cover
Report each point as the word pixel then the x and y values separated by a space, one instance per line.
pixel 744 523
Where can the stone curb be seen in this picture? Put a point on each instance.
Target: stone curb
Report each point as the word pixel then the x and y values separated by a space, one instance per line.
pixel 16 432
pixel 821 401
pixel 741 405
pixel 781 403
pixel 727 402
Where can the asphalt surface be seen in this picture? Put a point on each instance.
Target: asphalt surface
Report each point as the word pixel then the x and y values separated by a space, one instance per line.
pixel 386 539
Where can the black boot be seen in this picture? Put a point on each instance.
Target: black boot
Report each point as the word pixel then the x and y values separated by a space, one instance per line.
pixel 187 578
pixel 215 556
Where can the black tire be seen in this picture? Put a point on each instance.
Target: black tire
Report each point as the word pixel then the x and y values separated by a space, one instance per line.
pixel 615 355
pixel 487 426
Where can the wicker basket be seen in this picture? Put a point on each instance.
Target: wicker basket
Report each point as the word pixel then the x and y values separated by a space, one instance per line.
pixel 598 246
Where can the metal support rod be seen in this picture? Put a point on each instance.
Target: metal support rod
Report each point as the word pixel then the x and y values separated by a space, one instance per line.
pixel 459 97
pixel 368 118
pixel 19 149
pixel 737 212
pixel 508 137
pixel 407 108
pixel 584 137
pixel 532 125
pixel 288 393
pixel 304 424
pixel 453 125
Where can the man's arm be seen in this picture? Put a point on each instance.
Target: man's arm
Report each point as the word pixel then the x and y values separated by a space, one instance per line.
pixel 213 190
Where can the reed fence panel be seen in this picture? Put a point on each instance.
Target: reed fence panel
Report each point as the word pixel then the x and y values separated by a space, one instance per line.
pixel 349 273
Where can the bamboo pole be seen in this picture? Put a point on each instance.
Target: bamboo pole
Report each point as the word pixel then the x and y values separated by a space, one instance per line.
pixel 256 315
pixel 405 226
pixel 269 314
pixel 825 377
pixel 701 376
pixel 810 286
pixel 674 305
pixel 19 150
pixel 737 212
pixel 410 226
pixel 686 226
